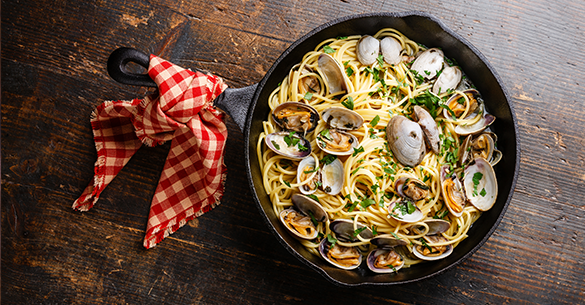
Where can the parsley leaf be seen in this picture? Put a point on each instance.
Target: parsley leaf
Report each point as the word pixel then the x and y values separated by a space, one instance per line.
pixel 375 121
pixel 348 103
pixel 332 240
pixel 349 71
pixel 328 159
pixel 367 202
pixel 308 96
pixel 328 50
pixel 357 151
pixel 312 196
pixel 275 145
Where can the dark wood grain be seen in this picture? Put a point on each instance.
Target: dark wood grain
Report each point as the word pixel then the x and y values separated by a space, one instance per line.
pixel 53 75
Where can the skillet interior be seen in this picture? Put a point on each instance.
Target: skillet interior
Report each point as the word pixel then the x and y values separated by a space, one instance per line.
pixel 427 30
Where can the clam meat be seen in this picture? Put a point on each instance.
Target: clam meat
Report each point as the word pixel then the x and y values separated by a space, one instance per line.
pixel 385 259
pixel 452 191
pixel 337 142
pixel 346 258
pixel 300 219
pixel 432 249
pixel 305 169
pixel 411 188
pixel 458 104
pixel 294 116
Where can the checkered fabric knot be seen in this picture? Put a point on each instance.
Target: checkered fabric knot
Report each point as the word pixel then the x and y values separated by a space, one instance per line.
pixel 193 177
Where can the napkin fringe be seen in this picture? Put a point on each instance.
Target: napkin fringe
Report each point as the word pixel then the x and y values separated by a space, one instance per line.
pixel 172 226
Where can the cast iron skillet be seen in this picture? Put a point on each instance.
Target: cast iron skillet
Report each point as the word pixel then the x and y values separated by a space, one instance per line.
pixel 248 107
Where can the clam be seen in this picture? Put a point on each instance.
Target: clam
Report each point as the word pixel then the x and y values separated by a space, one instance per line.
pixel 305 169
pixel 411 188
pixel 448 80
pixel 342 118
pixel 337 142
pixel 344 230
pixel 307 83
pixel 342 257
pixel 299 220
pixel 391 50
pixel 435 226
pixel 452 191
pixel 367 50
pixel 430 249
pixel 456 104
pixel 385 259
pixel 296 117
pixel 405 139
pixel 428 63
pixel 482 145
pixel 405 210
pixel 288 144
pixel 485 121
pixel 332 177
pixel 333 73
pixel 481 185
pixel 429 127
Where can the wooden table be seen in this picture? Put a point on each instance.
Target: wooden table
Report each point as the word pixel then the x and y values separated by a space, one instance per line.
pixel 53 75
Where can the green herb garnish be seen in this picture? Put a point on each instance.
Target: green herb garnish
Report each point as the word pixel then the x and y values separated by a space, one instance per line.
pixel 375 121
pixel 348 103
pixel 328 50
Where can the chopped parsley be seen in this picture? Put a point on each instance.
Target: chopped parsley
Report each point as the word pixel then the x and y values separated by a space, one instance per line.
pixel 357 151
pixel 325 134
pixel 332 240
pixel 367 202
pixel 349 71
pixel 328 50
pixel 348 103
pixel 357 231
pixel 287 184
pixel 311 171
pixel 312 196
pixel 308 96
pixel 275 145
pixel 328 159
pixel 476 177
pixel 375 121
pixel 291 140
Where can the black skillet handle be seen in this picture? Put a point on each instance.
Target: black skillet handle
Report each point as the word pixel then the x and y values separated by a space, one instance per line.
pixel 117 67
pixel 234 102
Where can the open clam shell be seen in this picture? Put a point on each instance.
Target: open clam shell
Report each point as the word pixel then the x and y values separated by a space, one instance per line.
pixel 481 185
pixel 448 80
pixel 411 188
pixel 337 142
pixel 342 118
pixel 429 127
pixel 288 144
pixel 385 261
pixel 435 226
pixel 406 211
pixel 429 252
pixel 344 230
pixel 332 177
pixel 295 116
pixel 305 169
pixel 452 192
pixel 346 258
pixel 300 220
pixel 333 73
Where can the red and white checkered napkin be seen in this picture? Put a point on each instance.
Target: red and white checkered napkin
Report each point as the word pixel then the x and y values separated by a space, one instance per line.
pixel 192 181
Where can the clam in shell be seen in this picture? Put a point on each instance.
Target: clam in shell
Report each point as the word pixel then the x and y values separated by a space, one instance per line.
pixel 299 220
pixel 391 50
pixel 452 191
pixel 288 144
pixel 432 249
pixel 385 259
pixel 337 142
pixel 428 63
pixel 405 139
pixel 448 80
pixel 342 118
pixel 405 210
pixel 305 169
pixel 367 50
pixel 333 73
pixel 295 116
pixel 481 185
